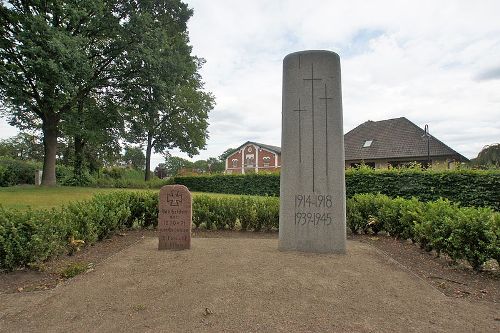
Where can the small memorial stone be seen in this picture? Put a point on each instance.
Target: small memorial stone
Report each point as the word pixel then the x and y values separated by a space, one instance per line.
pixel 174 218
pixel 312 185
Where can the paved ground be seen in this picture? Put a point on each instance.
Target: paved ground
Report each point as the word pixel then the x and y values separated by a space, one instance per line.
pixel 245 285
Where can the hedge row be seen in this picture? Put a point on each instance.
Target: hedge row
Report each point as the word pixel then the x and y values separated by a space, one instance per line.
pixel 466 187
pixel 33 236
pixel 466 233
pixel 28 237
pixel 251 184
pixel 250 213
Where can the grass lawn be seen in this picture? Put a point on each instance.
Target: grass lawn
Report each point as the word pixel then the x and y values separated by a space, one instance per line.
pixel 25 196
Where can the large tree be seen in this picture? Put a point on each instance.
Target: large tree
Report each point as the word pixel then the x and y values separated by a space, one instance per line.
pixel 165 104
pixel 53 54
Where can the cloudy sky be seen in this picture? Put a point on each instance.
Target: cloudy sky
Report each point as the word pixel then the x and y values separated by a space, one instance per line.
pixel 433 62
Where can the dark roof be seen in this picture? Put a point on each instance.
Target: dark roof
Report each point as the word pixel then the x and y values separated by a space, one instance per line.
pixel 268 147
pixel 393 138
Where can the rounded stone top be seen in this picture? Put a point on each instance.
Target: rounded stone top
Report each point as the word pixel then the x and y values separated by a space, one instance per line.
pixel 312 52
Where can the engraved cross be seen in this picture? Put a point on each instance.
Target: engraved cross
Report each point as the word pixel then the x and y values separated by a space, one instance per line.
pixel 326 98
pixel 312 79
pixel 300 110
pixel 174 200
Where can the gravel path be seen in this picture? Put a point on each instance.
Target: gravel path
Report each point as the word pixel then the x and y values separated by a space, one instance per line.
pixel 245 285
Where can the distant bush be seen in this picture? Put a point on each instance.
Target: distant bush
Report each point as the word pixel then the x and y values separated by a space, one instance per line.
pixel 250 184
pixel 130 183
pixel 467 187
pixel 114 172
pixel 14 172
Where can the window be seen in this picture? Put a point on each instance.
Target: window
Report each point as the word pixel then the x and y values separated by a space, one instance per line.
pixel 367 143
pixel 235 162
pixel 266 160
pixel 249 160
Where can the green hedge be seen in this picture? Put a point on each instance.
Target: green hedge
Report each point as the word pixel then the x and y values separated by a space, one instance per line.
pixel 251 213
pixel 251 184
pixel 467 187
pixel 466 233
pixel 13 172
pixel 33 236
pixel 28 237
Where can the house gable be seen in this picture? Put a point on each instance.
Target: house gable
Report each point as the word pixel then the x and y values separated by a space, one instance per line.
pixel 252 156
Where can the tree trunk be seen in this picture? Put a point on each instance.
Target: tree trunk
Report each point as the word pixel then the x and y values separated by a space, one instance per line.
pixel 49 128
pixel 148 157
pixel 79 157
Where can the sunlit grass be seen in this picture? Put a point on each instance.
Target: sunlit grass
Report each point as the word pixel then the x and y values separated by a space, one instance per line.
pixel 23 197
pixel 27 196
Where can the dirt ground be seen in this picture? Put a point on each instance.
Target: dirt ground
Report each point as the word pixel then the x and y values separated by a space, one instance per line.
pixel 238 281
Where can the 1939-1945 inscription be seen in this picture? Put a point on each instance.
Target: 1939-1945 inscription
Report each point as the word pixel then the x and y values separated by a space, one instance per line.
pixel 310 209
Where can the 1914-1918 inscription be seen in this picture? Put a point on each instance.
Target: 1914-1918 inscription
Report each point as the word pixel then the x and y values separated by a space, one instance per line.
pixel 310 209
pixel 174 218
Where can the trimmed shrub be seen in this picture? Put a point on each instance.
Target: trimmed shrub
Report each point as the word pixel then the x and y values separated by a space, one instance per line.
pixel 466 233
pixel 476 188
pixel 33 236
pixel 26 237
pixel 250 184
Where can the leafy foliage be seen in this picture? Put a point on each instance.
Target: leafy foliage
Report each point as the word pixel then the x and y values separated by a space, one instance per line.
pixel 134 157
pixel 472 234
pixel 467 187
pixel 23 146
pixel 164 102
pixel 488 156
pixel 468 233
pixel 174 164
pixel 67 67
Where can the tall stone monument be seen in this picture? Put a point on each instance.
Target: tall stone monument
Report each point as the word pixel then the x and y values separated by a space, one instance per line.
pixel 312 185
pixel 175 215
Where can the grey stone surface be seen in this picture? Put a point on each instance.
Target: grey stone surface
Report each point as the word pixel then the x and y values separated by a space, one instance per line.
pixel 38 177
pixel 312 190
pixel 175 215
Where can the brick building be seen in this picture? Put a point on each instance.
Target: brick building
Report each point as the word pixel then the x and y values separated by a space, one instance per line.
pixel 253 157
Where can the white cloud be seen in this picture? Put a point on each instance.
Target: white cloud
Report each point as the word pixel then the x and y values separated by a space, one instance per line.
pixel 434 62
pixel 420 60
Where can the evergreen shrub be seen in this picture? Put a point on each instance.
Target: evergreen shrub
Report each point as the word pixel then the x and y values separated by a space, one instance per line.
pixel 478 188
pixel 462 233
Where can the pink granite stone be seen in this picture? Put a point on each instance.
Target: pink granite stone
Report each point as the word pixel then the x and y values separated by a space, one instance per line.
pixel 174 218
